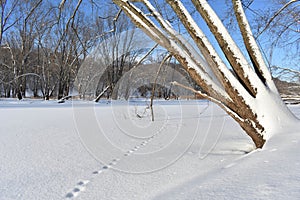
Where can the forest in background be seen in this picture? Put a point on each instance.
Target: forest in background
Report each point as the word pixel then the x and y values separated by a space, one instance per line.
pixel 44 43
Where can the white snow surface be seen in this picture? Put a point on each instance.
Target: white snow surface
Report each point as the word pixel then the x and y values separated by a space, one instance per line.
pixel 112 150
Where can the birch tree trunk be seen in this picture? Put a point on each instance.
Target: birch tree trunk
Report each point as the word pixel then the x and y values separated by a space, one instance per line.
pixel 249 94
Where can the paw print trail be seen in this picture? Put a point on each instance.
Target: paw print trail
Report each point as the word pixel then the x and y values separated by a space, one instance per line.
pixel 82 184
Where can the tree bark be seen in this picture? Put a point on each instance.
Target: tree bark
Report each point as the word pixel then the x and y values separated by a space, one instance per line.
pixel 251 97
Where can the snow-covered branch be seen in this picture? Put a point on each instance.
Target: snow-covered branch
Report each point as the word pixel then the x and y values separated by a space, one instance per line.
pixel 158 35
pixel 215 62
pixel 251 97
pixel 229 47
pixel 254 52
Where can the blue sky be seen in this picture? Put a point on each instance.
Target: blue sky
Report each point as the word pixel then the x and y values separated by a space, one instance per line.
pixel 221 8
pixel 279 55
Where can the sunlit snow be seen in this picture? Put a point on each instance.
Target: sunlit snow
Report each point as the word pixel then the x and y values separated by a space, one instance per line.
pixel 192 151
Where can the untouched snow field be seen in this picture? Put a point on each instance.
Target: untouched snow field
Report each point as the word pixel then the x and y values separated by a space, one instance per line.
pixel 112 150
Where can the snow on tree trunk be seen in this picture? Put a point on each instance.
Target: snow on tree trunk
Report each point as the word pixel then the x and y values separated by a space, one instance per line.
pixel 250 97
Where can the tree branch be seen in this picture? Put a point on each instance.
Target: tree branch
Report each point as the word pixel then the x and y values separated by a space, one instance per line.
pixel 178 38
pixel 169 56
pixel 253 50
pixel 70 20
pixel 287 69
pixel 216 101
pixel 114 25
pixel 232 52
pixel 208 51
pixel 275 15
pixel 150 28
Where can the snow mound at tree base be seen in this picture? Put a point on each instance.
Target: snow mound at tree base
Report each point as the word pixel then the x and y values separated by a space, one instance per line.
pixel 270 173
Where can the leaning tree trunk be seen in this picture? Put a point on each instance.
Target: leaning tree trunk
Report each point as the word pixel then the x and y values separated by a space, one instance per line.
pixel 249 94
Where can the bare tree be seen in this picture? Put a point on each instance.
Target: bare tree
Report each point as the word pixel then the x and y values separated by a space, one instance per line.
pixel 6 12
pixel 117 51
pixel 71 41
pixel 286 74
pixel 45 45
pixel 21 44
pixel 249 95
pixel 278 28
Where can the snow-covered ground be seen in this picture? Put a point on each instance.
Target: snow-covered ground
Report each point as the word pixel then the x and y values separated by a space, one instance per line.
pixel 112 150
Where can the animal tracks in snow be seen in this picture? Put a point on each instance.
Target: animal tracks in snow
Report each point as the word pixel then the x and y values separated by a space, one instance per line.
pixel 126 155
pixel 97 172
pixel 81 185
